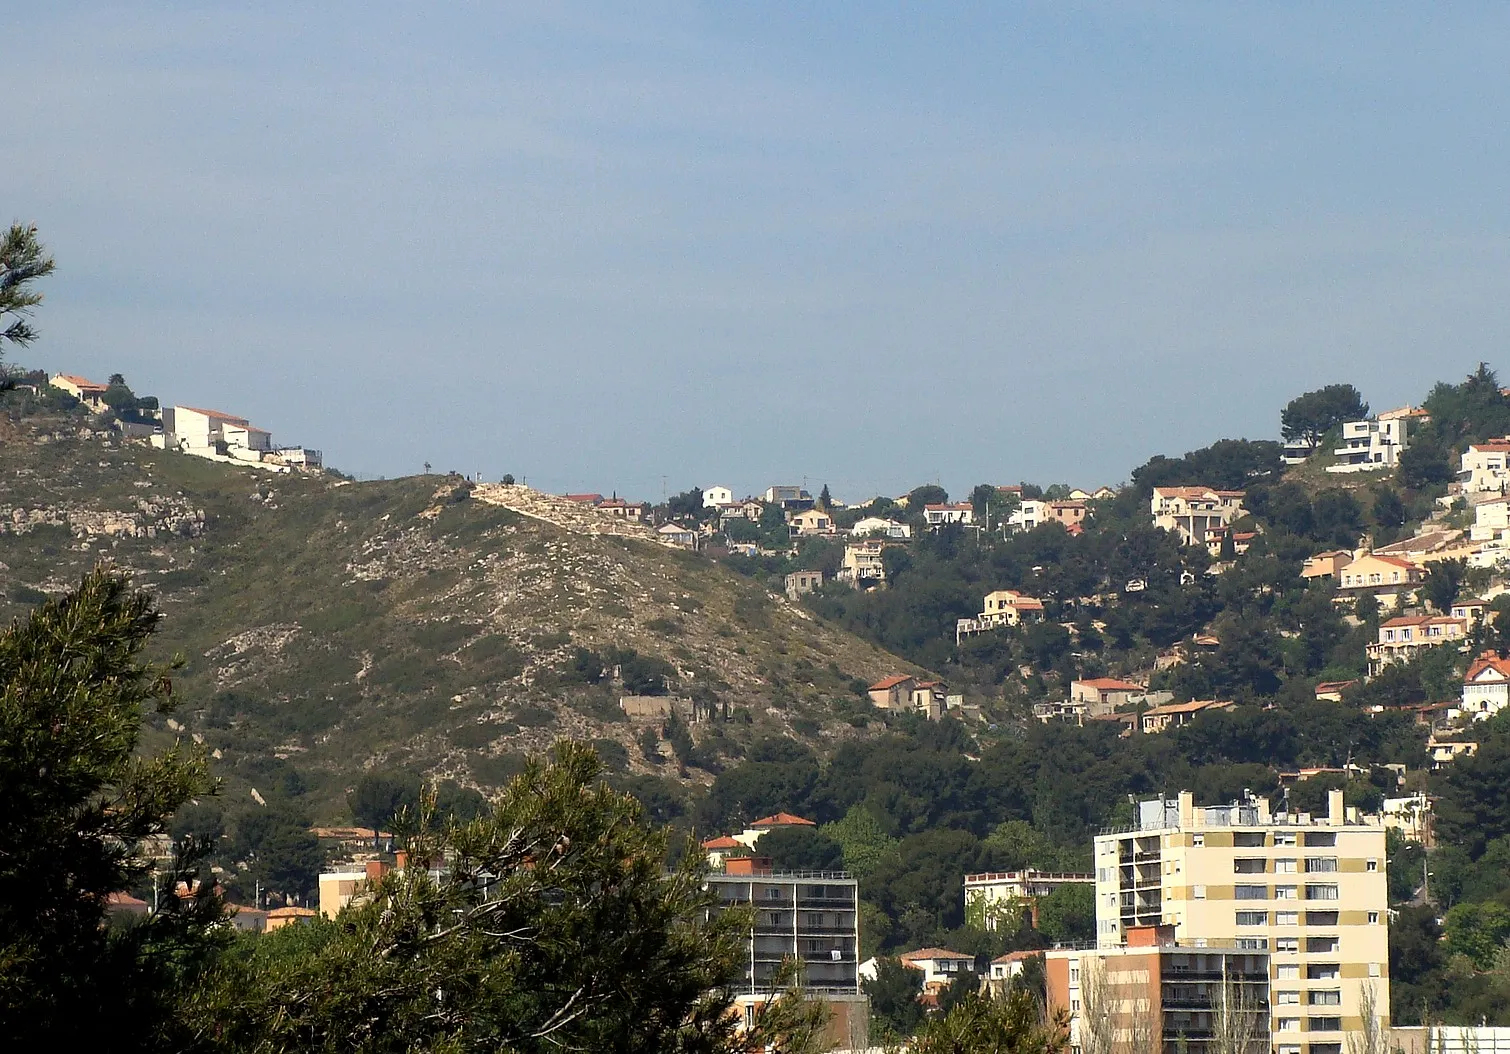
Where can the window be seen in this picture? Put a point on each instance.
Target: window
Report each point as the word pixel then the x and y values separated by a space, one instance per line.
pixel 775 918
pixel 1284 837
pixel 1326 1024
pixel 1321 945
pixel 1074 1006
pixel 1321 918
pixel 1284 892
pixel 1252 892
pixel 1316 864
pixel 1198 839
pixel 1289 1048
pixel 1285 866
pixel 1321 892
pixel 1287 944
pixel 1287 1024
pixel 1372 865
pixel 1287 998
pixel 1316 839
pixel 1247 839
pixel 1326 1048
pixel 1373 918
pixel 773 893
pixel 1255 944
pixel 1286 971
pixel 1252 918
pixel 1075 974
pixel 1327 997
pixel 1373 969
pixel 1323 972
pixel 1247 865
pixel 1287 918
pixel 1198 892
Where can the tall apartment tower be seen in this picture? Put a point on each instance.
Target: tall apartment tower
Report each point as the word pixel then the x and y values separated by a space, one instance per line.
pixel 811 917
pixel 1309 891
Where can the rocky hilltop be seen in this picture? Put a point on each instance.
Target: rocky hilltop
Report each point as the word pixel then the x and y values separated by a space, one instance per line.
pixel 422 624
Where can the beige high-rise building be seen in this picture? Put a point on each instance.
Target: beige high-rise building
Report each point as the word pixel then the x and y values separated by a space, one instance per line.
pixel 1308 890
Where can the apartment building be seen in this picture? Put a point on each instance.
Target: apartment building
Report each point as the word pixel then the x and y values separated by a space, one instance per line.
pixel 994 896
pixel 1307 890
pixel 1154 994
pixel 810 916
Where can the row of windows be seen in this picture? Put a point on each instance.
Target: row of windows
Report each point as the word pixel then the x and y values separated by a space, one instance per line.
pixel 1314 1024
pixel 1320 997
pixel 1255 839
pixel 1293 918
pixel 1315 891
pixel 1257 865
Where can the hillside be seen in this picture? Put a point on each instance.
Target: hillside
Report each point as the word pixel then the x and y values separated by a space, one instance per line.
pixel 418 624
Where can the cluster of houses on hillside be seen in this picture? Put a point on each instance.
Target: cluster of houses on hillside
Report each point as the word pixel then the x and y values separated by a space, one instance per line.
pixel 210 434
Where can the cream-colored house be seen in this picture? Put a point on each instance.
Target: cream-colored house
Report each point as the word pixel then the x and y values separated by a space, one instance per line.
pixel 717 496
pixel 894 692
pixel 810 522
pixel 1192 511
pixel 863 565
pixel 1402 639
pixel 1308 890
pixel 85 391
pixel 1177 715
pixel 1326 565
pixel 1388 579
pixel 1486 688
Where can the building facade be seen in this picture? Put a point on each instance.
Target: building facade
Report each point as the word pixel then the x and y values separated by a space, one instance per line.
pixel 993 897
pixel 1154 994
pixel 1192 511
pixel 810 916
pixel 1309 891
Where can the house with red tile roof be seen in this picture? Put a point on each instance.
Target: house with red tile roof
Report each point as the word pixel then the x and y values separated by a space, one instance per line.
pixel 1388 579
pixel 1177 715
pixel 894 692
pixel 1486 687
pixel 961 512
pixel 1402 639
pixel 88 392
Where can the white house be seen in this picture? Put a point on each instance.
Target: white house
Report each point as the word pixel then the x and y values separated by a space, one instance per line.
pixel 1486 687
pixel 211 433
pixel 1028 514
pixel 717 496
pixel 953 512
pixel 939 966
pixel 884 527
pixel 1374 444
pixel 1485 467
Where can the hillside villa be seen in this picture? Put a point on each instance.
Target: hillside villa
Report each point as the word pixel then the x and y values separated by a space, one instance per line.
pixel 1388 579
pixel 1191 512
pixel 88 392
pixel 1178 715
pixel 1405 637
pixel 1004 607
pixel 1486 688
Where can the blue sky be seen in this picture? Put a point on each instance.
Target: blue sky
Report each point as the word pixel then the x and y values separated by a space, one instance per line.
pixel 745 243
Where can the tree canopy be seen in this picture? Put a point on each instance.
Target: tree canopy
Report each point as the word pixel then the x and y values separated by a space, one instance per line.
pixel 1312 415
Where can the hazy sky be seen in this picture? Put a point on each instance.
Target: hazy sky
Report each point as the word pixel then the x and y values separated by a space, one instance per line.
pixel 748 243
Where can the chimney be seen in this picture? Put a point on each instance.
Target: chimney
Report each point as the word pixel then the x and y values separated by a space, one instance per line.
pixel 1334 810
pixel 1265 812
pixel 375 870
pixel 400 859
pixel 1187 809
